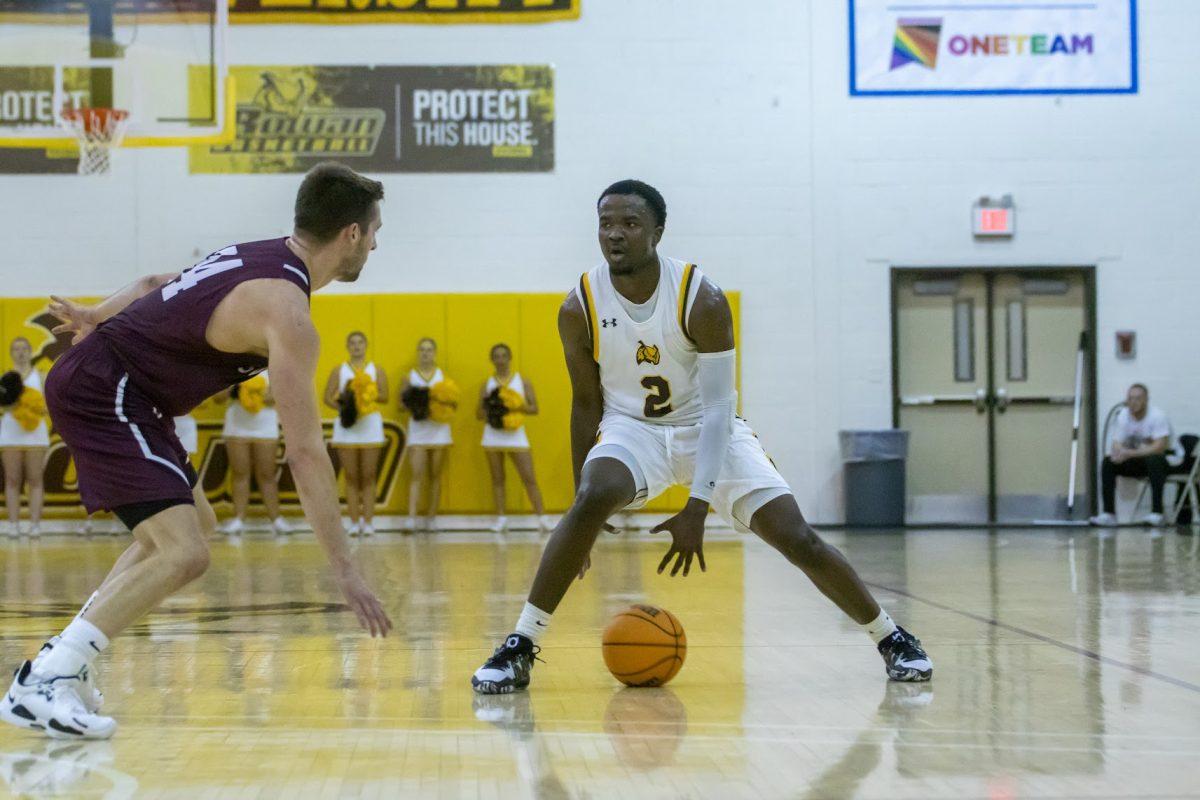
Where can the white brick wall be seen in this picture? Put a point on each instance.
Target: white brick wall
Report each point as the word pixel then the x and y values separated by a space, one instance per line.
pixel 779 184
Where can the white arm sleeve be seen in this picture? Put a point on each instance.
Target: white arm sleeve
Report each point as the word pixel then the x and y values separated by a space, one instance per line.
pixel 719 400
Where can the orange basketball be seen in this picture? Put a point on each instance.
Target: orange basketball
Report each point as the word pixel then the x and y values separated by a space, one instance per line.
pixel 644 646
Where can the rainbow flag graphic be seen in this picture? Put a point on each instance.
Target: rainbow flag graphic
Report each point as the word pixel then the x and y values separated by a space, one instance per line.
pixel 916 42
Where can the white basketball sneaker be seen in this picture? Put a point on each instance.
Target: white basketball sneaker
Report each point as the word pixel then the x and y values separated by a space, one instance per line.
pixel 1105 520
pixel 52 706
pixel 499 525
pixel 233 527
pixel 545 524
pixel 89 692
pixel 367 528
pixel 1154 520
pixel 281 526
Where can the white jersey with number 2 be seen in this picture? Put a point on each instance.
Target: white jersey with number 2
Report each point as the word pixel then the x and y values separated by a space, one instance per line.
pixel 648 370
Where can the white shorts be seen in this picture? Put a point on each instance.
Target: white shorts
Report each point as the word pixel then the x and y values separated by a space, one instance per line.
pixel 660 456
pixel 241 424
pixel 494 439
pixel 189 436
pixel 12 435
pixel 365 432
pixel 427 433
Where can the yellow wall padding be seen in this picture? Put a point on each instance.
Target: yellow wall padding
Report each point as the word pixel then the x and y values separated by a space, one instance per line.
pixel 465 327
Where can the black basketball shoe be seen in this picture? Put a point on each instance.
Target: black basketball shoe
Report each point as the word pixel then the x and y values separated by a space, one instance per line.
pixel 509 667
pixel 904 658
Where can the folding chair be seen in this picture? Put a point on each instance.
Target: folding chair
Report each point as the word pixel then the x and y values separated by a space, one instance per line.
pixel 1187 481
pixel 1184 476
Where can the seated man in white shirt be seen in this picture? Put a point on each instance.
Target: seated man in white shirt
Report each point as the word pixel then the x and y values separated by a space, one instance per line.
pixel 1140 441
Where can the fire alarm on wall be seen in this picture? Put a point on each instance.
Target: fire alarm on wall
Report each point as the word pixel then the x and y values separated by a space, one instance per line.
pixel 1126 345
pixel 992 218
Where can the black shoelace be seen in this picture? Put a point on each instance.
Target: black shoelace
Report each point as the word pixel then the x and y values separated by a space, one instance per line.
pixel 505 653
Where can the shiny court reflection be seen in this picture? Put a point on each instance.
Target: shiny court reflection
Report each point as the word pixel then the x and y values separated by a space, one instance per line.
pixel 1066 667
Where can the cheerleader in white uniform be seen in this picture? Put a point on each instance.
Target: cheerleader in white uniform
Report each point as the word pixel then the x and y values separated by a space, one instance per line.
pixel 188 433
pixel 361 384
pixel 498 441
pixel 24 442
pixel 251 436
pixel 427 442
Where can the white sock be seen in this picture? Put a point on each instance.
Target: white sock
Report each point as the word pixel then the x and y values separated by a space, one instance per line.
pixel 880 628
pixel 533 622
pixel 88 604
pixel 77 645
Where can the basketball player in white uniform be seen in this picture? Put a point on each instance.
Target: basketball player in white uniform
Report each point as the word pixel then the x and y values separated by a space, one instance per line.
pixel 650 351
pixel 358 446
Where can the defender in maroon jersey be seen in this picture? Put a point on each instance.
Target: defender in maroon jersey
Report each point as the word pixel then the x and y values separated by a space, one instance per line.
pixel 155 350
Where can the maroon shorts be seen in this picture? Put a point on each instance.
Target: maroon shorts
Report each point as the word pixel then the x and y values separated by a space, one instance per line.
pixel 125 450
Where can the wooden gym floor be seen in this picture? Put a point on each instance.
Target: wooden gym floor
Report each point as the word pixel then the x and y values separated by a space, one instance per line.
pixel 1067 665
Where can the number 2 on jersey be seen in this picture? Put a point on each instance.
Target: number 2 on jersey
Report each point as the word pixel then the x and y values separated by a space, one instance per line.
pixel 658 402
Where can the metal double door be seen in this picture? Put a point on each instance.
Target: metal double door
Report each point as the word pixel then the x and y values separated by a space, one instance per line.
pixel 984 379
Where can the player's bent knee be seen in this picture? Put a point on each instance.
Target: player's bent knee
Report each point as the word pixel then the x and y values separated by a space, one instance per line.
pixel 188 562
pixel 602 496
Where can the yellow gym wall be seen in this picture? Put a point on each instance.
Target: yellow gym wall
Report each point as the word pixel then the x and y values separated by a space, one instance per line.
pixel 465 327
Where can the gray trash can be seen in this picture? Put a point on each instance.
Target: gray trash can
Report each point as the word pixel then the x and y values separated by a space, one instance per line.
pixel 873 469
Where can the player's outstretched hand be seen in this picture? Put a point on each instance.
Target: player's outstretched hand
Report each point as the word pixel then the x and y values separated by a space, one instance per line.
pixel 363 602
pixel 77 319
pixel 687 537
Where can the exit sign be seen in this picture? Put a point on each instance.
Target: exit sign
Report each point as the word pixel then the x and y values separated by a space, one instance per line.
pixel 993 217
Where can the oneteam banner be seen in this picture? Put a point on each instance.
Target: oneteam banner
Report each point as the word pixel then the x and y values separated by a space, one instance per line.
pixel 903 47
pixel 495 118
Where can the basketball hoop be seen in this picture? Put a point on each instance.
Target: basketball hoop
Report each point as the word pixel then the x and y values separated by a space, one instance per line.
pixel 97 130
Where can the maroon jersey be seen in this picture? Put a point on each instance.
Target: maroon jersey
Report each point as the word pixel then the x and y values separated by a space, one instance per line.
pixel 160 338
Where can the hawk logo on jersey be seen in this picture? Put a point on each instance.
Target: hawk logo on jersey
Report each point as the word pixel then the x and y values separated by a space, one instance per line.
pixel 648 354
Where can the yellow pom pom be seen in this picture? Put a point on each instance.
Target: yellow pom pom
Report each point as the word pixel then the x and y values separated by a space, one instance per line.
pixel 443 400
pixel 446 391
pixel 366 393
pixel 252 394
pixel 512 399
pixel 513 420
pixel 30 410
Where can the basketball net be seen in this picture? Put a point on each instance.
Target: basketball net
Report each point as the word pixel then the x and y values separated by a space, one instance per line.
pixel 97 130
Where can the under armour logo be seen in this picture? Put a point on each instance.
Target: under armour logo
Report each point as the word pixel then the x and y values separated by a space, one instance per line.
pixel 608 323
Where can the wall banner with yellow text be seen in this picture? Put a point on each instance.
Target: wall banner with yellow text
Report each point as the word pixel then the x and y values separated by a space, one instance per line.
pixel 401 11
pixel 313 12
pixel 494 118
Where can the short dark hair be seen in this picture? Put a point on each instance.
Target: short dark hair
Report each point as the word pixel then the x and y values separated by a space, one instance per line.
pixel 652 196
pixel 352 334
pixel 500 346
pixel 1141 386
pixel 333 196
pixel 429 339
